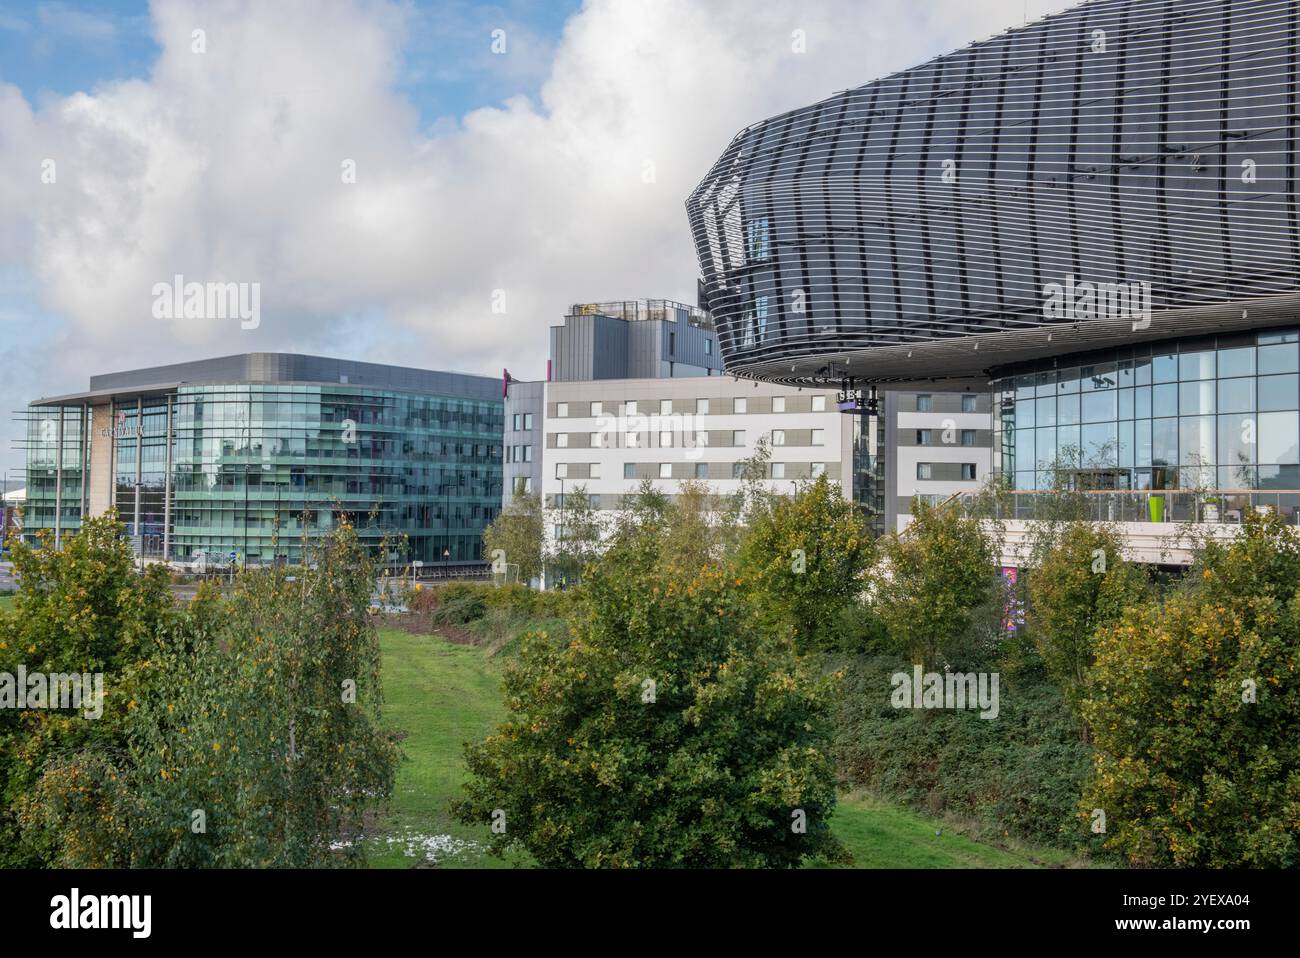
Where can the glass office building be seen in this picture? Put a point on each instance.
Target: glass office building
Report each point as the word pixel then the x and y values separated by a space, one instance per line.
pixel 1218 413
pixel 1097 213
pixel 1122 172
pixel 251 454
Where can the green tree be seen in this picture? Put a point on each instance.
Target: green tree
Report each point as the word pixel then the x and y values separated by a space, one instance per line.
pixel 1194 706
pixel 938 588
pixel 805 560
pixel 1081 584
pixel 670 731
pixel 247 734
pixel 519 531
pixel 579 538
pixel 81 609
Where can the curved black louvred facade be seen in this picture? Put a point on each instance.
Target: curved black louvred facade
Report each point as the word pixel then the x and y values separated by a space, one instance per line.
pixel 1121 172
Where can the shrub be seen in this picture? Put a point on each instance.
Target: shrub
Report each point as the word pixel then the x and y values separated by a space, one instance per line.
pixel 460 603
pixel 1194 706
pixel 1081 585
pixel 938 589
pixel 1020 773
pixel 668 732
pixel 804 560
pixel 260 714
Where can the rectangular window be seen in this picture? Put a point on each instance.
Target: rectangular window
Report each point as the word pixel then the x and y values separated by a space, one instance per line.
pixel 528 453
pixel 701 407
pixel 672 343
pixel 778 437
pixel 562 409
pixel 924 437
pixel 518 422
pixel 597 440
pixel 968 403
pixel 665 407
pixel 778 404
pixel 818 469
pixel 968 471
pixel 561 440
pixel 629 470
pixel 924 403
pixel 561 470
pixel 632 441
pixel 757 239
pixel 708 347
pixel 630 408
pixel 528 421
pixel 594 470
pixel 819 404
pixel 597 408
pixel 701 470
pixel 741 405
pixel 665 470
pixel 968 437
pixel 737 470
pixel 778 470
pixel 819 437
pixel 738 437
pixel 665 440
pixel 923 470
pixel 528 485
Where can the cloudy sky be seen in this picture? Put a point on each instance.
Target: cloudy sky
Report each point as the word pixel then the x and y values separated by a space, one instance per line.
pixel 554 171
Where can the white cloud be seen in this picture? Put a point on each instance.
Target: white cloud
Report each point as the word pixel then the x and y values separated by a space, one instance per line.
pixel 225 165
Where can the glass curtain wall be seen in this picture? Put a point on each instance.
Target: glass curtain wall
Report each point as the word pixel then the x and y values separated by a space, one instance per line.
pixel 1216 415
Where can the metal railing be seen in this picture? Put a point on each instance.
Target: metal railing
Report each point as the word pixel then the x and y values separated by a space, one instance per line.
pixel 1131 505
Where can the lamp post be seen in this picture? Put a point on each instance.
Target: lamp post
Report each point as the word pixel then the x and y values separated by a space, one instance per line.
pixel 244 556
pixel 446 522
pixel 564 578
pixel 135 527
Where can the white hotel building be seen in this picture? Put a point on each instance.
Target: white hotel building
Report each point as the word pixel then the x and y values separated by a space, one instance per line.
pixel 610 435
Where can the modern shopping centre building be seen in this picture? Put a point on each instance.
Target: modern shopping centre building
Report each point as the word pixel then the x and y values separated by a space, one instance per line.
pixel 251 454
pixel 1095 216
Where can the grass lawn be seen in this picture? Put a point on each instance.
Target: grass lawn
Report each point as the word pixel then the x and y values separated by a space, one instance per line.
pixel 6 602
pixel 443 695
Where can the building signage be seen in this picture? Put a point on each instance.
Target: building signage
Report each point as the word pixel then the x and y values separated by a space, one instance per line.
pixel 121 430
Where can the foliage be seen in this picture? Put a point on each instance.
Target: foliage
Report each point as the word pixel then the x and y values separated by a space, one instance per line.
pixel 1019 775
pixel 938 589
pixel 460 602
pixel 247 731
pixel 1190 772
pixel 84 610
pixel 805 560
pixel 695 526
pixel 580 539
pixel 519 532
pixel 669 731
pixel 1081 584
